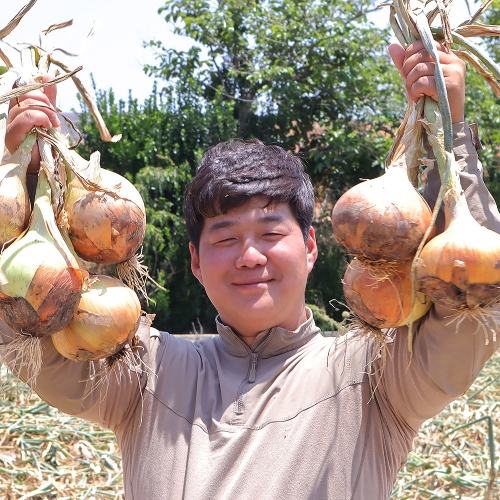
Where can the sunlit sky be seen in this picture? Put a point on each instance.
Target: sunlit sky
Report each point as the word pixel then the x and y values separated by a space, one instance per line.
pixel 114 54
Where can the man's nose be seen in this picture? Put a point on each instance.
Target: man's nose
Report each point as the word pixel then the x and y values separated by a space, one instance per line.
pixel 251 255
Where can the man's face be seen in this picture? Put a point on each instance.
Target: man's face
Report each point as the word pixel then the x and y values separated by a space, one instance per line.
pixel 254 264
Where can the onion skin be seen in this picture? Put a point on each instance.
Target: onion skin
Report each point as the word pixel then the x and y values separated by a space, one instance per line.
pixel 460 268
pixel 49 305
pixel 382 295
pixel 104 227
pixel 15 207
pixel 107 318
pixel 383 218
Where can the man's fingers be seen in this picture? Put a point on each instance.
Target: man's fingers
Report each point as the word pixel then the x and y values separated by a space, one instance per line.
pixel 422 87
pixel 31 105
pixel 51 91
pixel 397 54
pixel 21 123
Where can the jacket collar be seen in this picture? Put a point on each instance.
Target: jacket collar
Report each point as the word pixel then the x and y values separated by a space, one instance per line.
pixel 270 342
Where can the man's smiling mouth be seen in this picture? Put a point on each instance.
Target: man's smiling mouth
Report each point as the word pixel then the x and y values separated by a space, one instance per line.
pixel 253 282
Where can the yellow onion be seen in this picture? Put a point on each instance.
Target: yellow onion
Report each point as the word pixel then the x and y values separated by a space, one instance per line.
pixel 15 205
pixel 40 277
pixel 383 218
pixel 382 296
pixel 106 213
pixel 460 268
pixel 107 318
pixel 108 226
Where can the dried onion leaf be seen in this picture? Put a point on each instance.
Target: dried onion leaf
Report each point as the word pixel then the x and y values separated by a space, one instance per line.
pixel 16 20
pixel 24 89
pixel 90 102
pixel 54 27
pixel 488 77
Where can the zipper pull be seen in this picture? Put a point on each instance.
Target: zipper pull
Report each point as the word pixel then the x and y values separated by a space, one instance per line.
pixel 253 368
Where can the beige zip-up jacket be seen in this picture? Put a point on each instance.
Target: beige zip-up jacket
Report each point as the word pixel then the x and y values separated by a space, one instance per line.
pixel 294 417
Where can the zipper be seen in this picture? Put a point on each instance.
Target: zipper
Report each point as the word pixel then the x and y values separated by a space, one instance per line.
pixel 252 374
pixel 253 368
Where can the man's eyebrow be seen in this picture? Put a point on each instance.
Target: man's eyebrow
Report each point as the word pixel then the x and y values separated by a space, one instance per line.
pixel 223 224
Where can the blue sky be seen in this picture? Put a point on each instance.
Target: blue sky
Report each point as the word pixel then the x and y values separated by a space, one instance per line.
pixel 114 54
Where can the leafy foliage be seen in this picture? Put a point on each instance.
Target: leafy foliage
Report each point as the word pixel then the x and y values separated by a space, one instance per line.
pixel 305 75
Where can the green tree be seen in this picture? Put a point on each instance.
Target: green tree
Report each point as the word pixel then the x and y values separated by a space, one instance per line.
pixel 313 77
pixel 310 76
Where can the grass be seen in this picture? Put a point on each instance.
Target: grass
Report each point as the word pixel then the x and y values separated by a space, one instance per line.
pixel 47 455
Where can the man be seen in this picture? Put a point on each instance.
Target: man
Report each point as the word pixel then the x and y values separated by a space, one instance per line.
pixel 270 408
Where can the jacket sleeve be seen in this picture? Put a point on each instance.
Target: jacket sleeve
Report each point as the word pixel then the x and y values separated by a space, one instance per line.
pixel 93 391
pixel 448 352
pixel 448 348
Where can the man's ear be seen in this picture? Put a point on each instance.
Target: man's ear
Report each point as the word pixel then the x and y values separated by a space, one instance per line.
pixel 312 249
pixel 195 263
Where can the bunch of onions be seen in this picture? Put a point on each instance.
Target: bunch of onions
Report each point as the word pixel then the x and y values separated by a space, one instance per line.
pixel 382 222
pixel 15 205
pixel 106 320
pixel 104 214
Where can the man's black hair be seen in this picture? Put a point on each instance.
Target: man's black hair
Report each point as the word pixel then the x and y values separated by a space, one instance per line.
pixel 233 172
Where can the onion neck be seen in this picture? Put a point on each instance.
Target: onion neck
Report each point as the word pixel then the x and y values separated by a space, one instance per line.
pixel 43 222
pixel 456 211
pixel 24 151
pixel 405 152
pixel 75 165
pixel 42 208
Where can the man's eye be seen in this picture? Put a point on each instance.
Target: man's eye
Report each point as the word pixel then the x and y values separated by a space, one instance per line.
pixel 225 240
